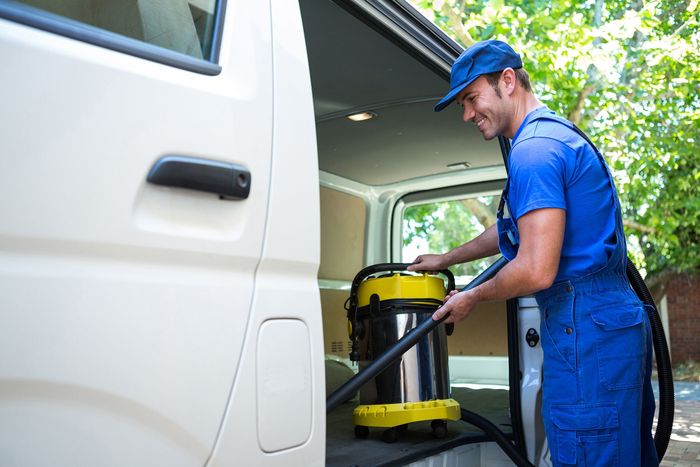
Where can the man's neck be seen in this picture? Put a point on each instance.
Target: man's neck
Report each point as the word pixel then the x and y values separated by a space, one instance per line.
pixel 522 106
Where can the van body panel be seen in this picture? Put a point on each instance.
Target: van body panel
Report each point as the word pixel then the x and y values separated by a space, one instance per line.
pixel 285 284
pixel 124 304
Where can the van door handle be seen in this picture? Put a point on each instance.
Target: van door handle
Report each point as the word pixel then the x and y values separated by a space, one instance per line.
pixel 225 179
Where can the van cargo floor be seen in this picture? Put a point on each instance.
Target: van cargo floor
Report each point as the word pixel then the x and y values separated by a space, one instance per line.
pixel 417 442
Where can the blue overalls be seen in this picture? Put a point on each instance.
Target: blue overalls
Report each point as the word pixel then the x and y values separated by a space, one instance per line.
pixel 597 400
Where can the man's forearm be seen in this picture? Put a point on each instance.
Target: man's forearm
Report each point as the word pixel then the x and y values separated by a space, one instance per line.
pixel 536 265
pixel 482 246
pixel 514 280
pixel 533 269
pixel 486 244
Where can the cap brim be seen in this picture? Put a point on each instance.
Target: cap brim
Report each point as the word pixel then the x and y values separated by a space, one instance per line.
pixel 447 100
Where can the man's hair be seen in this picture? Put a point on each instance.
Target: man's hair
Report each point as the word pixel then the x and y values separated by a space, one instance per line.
pixel 520 74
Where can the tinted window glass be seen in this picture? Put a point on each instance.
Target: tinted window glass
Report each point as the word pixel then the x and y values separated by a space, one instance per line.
pixel 185 26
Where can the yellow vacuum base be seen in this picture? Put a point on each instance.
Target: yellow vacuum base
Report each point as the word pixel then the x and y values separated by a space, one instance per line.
pixel 391 415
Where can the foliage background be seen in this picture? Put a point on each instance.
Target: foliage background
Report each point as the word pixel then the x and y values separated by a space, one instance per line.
pixel 627 73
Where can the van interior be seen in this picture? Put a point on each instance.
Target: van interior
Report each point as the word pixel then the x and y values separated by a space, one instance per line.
pixel 372 172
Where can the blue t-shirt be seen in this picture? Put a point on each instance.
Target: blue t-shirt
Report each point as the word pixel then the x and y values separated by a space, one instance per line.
pixel 552 166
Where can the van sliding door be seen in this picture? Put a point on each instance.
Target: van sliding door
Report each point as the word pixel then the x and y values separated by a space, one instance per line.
pixel 124 302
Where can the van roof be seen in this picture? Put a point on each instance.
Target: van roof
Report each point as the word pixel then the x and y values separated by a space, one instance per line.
pixel 395 63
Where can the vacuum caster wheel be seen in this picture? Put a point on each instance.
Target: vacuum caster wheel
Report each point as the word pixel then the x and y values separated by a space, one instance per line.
pixel 390 435
pixel 361 432
pixel 439 428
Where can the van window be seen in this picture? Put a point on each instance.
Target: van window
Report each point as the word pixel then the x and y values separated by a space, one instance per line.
pixel 184 26
pixel 437 227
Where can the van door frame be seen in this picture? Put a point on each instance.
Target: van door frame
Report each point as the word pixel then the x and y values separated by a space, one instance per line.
pixel 401 24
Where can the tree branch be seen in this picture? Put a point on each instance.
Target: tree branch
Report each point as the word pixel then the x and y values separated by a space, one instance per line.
pixel 454 14
pixel 638 227
pixel 575 114
pixel 683 26
pixel 482 213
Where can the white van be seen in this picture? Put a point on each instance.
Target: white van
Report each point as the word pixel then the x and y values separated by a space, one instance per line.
pixel 185 203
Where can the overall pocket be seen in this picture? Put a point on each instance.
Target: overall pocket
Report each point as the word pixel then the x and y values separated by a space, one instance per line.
pixel 620 345
pixel 559 342
pixel 585 434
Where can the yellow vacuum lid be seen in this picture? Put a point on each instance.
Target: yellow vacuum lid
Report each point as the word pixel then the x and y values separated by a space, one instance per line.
pixel 401 286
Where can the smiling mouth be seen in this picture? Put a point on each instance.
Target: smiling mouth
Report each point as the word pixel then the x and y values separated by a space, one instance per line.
pixel 480 123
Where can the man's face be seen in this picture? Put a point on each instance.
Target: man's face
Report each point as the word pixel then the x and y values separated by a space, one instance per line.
pixel 482 105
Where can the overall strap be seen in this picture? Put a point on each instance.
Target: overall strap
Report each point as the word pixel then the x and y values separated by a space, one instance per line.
pixel 568 124
pixel 504 197
pixel 571 126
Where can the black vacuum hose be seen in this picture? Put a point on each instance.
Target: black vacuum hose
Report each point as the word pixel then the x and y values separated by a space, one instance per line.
pixel 484 424
pixel 663 362
pixel 489 428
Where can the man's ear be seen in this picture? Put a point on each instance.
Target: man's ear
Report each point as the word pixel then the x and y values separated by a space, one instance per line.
pixel 508 81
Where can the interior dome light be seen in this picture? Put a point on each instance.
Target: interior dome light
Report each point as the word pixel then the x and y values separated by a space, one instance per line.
pixel 361 116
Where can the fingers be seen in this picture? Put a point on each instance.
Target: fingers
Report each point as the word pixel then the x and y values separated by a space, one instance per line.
pixel 426 263
pixel 446 309
pixel 415 263
pixel 441 312
pixel 450 295
pixel 458 305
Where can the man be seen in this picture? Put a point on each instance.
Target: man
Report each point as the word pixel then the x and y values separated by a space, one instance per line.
pixel 566 245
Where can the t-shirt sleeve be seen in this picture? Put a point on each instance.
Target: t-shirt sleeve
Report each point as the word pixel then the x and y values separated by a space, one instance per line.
pixel 537 175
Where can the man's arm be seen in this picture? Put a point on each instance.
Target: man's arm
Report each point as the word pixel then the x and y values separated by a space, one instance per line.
pixel 486 244
pixel 533 269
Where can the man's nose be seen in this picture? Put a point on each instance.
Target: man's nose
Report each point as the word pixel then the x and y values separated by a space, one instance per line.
pixel 467 114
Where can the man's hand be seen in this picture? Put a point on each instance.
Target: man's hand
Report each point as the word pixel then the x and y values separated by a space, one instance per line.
pixel 450 294
pixel 429 262
pixel 458 304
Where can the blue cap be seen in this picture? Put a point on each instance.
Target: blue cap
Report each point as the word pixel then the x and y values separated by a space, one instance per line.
pixel 481 58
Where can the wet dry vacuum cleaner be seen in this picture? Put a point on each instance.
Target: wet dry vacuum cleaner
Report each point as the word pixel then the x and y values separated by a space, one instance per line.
pixel 384 305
